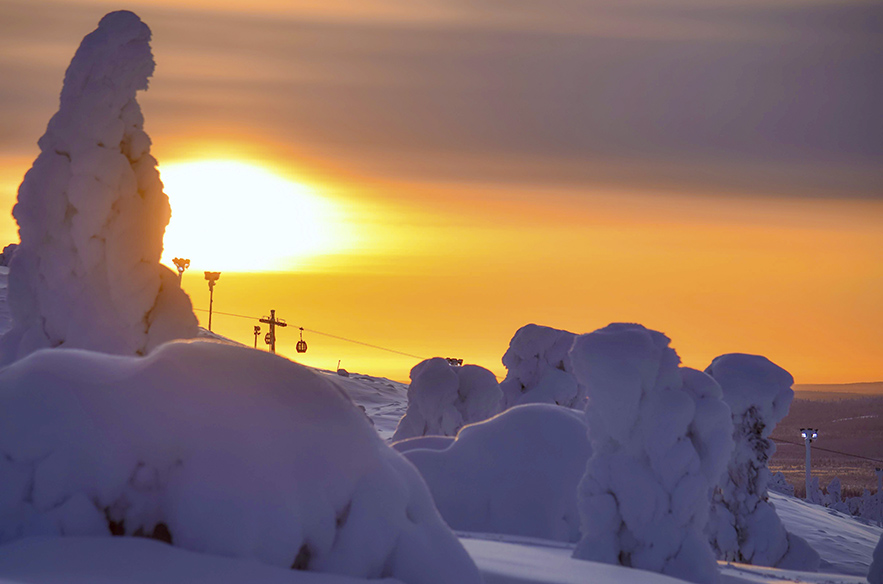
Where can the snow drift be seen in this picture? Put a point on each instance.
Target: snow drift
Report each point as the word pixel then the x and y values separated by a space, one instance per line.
pixel 539 368
pixel 661 437
pixel 218 449
pixel 743 525
pixel 516 473
pixel 92 212
pixel 875 574
pixel 442 398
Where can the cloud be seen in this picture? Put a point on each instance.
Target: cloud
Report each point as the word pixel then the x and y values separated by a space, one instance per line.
pixel 753 97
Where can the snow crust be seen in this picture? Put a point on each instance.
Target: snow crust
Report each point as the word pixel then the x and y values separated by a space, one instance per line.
pixel 539 370
pixel 660 437
pixel 92 212
pixel 516 473
pixel 743 526
pixel 219 449
pixel 442 398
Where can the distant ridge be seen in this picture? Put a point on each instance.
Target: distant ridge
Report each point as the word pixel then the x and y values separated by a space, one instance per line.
pixel 838 390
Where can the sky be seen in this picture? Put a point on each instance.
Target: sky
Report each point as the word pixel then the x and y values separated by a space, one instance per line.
pixel 430 175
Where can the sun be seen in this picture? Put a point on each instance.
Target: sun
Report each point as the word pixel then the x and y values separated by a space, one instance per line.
pixel 231 215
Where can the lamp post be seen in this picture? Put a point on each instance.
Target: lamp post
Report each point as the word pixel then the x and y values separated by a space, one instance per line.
pixel 182 264
pixel 808 434
pixel 212 278
pixel 257 331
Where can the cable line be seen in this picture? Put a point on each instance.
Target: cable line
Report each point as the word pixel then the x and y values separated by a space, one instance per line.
pixel 325 334
pixel 829 450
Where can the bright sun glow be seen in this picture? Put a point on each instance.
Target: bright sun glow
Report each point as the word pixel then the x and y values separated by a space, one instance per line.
pixel 235 216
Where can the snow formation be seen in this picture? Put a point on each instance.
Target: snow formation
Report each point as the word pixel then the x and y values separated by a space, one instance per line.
pixel 744 526
pixel 442 398
pixel 219 449
pixel 7 253
pixel 661 437
pixel 539 368
pixel 516 473
pixel 92 212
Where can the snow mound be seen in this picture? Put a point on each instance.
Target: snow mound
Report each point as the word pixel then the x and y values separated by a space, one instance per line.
pixel 442 398
pixel 744 526
pixel 92 212
pixel 661 437
pixel 217 449
pixel 516 473
pixel 539 368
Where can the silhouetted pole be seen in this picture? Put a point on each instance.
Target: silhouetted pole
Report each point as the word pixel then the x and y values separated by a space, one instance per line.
pixel 182 264
pixel 212 278
pixel 809 434
pixel 257 331
pixel 273 322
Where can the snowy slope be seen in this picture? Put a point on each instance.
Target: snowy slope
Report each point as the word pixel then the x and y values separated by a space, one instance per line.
pixel 385 401
pixel 845 544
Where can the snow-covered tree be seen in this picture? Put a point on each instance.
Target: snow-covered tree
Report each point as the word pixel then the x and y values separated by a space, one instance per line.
pixel 661 437
pixel 7 253
pixel 442 398
pixel 516 473
pixel 780 484
pixel 218 449
pixel 744 526
pixel 539 368
pixel 92 212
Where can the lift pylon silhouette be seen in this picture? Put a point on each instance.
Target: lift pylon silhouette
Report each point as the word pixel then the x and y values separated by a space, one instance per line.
pixel 271 320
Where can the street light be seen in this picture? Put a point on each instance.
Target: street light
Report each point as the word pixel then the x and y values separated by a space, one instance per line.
pixel 257 331
pixel 182 264
pixel 808 434
pixel 212 278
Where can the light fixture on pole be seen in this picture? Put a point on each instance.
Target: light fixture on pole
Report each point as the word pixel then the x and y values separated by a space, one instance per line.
pixel 808 434
pixel 182 264
pixel 212 278
pixel 257 331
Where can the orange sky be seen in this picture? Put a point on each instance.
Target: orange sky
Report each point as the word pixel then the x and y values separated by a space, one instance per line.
pixel 466 214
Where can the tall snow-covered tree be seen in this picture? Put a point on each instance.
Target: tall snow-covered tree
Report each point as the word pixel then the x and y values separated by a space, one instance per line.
pixel 661 438
pixel 92 213
pixel 744 526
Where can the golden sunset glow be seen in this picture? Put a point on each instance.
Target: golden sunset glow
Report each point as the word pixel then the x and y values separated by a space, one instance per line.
pixel 232 215
pixel 429 177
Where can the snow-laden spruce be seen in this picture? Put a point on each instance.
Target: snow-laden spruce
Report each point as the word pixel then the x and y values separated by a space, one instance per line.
pixel 743 526
pixel 539 368
pixel 92 212
pixel 219 449
pixel 442 398
pixel 661 436
pixel 516 473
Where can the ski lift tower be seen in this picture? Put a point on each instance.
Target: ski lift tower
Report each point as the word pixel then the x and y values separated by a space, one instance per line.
pixel 212 278
pixel 270 337
pixel 808 434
